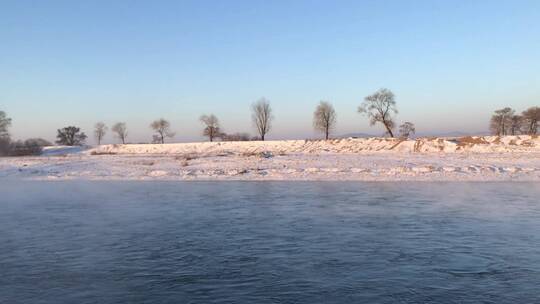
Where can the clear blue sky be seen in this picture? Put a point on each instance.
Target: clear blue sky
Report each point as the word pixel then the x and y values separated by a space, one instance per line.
pixel 450 63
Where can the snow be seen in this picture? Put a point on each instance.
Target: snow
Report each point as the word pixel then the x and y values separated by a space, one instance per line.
pixel 484 144
pixel 61 150
pixel 489 158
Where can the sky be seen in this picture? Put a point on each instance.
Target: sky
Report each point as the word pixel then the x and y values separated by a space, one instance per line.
pixel 449 63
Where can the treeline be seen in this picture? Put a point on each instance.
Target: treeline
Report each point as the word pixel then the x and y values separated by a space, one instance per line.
pixel 379 107
pixel 506 122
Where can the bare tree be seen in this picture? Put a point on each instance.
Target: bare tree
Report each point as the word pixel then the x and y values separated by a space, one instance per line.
pixel 120 129
pixel 70 136
pixel 406 129
pixel 262 117
pixel 324 118
pixel 211 126
pixel 5 123
pixel 531 119
pixel 379 107
pixel 163 129
pixel 501 121
pixel 100 129
pixel 495 125
pixel 516 124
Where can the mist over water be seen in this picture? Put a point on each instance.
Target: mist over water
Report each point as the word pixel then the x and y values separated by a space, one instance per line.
pixel 269 242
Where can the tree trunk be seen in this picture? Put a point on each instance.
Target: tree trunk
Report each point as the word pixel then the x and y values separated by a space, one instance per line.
pixel 389 130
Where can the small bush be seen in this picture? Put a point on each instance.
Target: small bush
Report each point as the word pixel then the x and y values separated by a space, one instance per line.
pixel 263 154
pixel 249 154
pixel 26 148
pixel 39 142
pixel 4 146
pixel 185 158
pixel 102 153
pixel 235 137
pixel 191 156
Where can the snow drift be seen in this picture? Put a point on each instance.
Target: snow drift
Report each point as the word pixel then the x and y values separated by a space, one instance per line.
pixel 471 144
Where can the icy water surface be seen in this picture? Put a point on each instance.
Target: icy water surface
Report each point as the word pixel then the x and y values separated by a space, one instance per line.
pixel 269 242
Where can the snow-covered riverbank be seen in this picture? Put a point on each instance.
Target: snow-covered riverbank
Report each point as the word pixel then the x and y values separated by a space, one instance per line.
pixel 375 159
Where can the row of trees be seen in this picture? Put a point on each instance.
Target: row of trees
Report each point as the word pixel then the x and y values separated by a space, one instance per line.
pixel 162 128
pixel 72 136
pixel 507 122
pixel 379 107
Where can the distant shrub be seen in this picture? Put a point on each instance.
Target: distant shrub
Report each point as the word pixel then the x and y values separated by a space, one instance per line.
pixel 5 123
pixel 102 153
pixel 235 137
pixel 263 154
pixel 249 154
pixel 25 148
pixel 39 142
pixel 185 158
pixel 4 146
pixel 191 156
